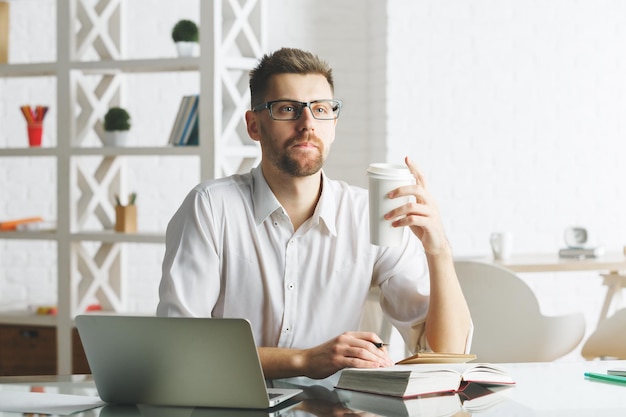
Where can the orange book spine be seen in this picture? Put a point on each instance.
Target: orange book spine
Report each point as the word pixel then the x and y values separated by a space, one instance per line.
pixel 12 224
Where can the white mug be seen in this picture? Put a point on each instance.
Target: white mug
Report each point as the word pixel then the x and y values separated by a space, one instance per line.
pixel 501 245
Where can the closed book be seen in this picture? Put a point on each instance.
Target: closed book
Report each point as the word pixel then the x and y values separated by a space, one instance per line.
pixel 190 117
pixel 12 224
pixel 182 120
pixel 176 127
pixel 408 381
pixel 193 136
pixel 593 252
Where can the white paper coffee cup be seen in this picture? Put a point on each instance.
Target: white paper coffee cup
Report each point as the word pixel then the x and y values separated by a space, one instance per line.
pixel 383 178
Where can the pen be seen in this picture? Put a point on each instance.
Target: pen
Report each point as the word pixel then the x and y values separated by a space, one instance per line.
pixel 380 345
pixel 606 378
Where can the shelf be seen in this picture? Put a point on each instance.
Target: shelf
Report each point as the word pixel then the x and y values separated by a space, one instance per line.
pixel 86 81
pixel 36 151
pixel 24 318
pixel 46 69
pixel 138 65
pixel 29 235
pixel 116 237
pixel 106 151
pixel 156 65
pixel 49 69
pixel 136 151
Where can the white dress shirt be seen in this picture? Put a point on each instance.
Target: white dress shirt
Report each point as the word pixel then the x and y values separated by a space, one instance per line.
pixel 231 251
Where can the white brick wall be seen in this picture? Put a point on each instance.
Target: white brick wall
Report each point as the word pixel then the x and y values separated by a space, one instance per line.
pixel 514 110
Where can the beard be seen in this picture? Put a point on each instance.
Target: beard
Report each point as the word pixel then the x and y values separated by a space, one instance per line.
pixel 291 160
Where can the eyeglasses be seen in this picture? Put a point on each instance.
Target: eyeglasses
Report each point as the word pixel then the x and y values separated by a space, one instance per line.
pixel 292 110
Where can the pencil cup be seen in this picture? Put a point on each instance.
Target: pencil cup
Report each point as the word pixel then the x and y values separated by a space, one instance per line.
pixel 35 131
pixel 126 218
pixel 382 179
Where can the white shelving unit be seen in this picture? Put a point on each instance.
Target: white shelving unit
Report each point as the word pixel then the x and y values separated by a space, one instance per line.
pixel 86 198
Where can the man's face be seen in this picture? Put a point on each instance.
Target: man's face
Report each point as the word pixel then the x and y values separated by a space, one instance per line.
pixel 294 147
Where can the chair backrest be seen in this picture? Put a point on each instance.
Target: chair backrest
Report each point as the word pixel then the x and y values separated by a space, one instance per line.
pixel 508 324
pixel 609 339
pixel 373 318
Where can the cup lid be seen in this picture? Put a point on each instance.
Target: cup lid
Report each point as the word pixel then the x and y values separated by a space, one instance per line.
pixel 389 169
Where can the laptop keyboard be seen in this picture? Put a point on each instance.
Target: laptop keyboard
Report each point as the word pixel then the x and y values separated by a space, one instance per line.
pixel 274 395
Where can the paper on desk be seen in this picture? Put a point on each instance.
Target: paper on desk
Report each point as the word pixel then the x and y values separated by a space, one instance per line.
pixel 46 403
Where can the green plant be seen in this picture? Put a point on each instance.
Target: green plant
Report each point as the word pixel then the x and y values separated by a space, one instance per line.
pixel 116 118
pixel 185 31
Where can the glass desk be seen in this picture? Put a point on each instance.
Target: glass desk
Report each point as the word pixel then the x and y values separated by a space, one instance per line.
pixel 543 389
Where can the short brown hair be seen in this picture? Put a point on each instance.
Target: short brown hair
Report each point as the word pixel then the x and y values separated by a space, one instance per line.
pixel 285 61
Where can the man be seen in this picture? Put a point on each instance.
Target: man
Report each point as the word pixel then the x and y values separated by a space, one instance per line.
pixel 288 248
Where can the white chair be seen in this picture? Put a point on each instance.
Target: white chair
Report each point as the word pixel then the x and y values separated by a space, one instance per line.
pixel 508 325
pixel 373 319
pixel 609 339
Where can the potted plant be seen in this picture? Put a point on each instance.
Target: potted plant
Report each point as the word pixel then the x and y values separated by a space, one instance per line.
pixel 186 36
pixel 116 126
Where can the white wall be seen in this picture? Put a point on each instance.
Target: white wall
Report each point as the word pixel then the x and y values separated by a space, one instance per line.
pixel 513 109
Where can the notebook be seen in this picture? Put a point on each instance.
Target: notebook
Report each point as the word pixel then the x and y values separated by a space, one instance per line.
pixel 176 361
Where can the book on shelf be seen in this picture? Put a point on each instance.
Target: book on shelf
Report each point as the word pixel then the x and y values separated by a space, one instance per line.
pixel 186 120
pixel 581 253
pixel 473 399
pixel 13 224
pixel 190 124
pixel 192 140
pixel 413 380
pixel 39 226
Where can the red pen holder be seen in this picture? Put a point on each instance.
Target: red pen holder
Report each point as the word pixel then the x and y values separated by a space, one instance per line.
pixel 35 131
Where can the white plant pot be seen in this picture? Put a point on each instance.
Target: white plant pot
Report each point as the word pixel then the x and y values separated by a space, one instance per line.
pixel 116 138
pixel 187 49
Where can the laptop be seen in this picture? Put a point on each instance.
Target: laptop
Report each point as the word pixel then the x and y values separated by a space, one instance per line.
pixel 176 361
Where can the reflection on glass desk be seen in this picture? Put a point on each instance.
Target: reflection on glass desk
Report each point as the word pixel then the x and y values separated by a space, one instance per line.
pixel 543 389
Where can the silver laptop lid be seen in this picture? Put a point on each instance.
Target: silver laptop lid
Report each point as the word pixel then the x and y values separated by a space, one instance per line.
pixel 206 362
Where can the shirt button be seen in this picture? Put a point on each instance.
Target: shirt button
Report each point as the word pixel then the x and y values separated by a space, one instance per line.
pixel 276 224
pixel 291 286
pixel 287 329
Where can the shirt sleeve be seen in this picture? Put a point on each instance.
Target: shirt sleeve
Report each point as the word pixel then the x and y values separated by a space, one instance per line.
pixel 191 259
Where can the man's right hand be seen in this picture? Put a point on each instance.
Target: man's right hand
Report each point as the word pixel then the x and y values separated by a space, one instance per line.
pixel 350 349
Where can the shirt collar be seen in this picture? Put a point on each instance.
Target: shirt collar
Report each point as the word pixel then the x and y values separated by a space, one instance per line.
pixel 265 202
pixel 326 206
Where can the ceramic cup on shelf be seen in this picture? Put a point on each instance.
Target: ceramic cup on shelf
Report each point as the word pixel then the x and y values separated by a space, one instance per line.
pixel 501 245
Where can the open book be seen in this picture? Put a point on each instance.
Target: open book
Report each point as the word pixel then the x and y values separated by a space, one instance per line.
pixel 418 379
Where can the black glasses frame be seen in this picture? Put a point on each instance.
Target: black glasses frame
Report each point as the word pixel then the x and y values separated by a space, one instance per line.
pixel 303 104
